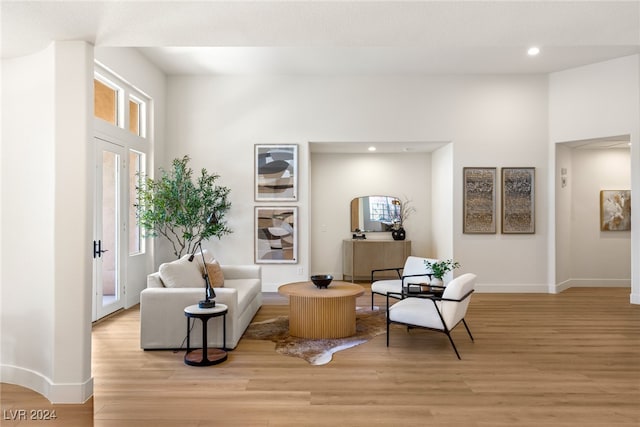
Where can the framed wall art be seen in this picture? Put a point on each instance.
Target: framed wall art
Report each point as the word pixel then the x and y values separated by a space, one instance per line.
pixel 276 235
pixel 479 200
pixel 518 200
pixel 276 172
pixel 615 210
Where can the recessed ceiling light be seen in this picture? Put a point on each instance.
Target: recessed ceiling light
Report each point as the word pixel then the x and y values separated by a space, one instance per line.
pixel 533 51
pixel 372 148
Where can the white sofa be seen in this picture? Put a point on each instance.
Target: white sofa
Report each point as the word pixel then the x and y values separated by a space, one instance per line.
pixel 163 324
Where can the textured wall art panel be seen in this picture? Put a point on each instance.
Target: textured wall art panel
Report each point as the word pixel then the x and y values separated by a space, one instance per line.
pixel 518 200
pixel 479 204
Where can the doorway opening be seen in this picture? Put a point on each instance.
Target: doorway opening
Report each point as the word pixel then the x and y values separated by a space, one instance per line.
pixel 107 245
pixel 122 142
pixel 587 255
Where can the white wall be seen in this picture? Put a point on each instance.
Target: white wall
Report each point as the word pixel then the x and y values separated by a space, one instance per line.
pixel 27 290
pixel 336 179
pixel 501 121
pixel 596 101
pixel 491 121
pixel 46 230
pixel 598 257
pixel 563 216
pixel 442 196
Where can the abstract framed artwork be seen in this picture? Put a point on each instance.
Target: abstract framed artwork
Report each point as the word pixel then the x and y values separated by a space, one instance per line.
pixel 276 172
pixel 276 235
pixel 479 200
pixel 518 200
pixel 615 210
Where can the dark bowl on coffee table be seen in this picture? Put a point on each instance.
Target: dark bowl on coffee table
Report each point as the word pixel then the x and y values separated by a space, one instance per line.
pixel 322 280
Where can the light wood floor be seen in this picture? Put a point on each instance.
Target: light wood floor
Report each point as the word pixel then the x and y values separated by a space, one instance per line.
pixel 571 359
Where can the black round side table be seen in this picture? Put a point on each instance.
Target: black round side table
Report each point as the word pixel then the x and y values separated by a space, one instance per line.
pixel 206 356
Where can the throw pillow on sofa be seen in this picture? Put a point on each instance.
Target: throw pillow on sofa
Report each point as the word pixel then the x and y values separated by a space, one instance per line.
pixel 181 273
pixel 216 276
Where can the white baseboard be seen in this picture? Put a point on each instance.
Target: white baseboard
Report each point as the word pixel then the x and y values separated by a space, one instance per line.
pixel 593 283
pixel 484 287
pixel 523 288
pixel 509 288
pixel 55 393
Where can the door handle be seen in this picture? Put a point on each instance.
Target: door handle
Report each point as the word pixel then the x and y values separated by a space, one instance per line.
pixel 97 249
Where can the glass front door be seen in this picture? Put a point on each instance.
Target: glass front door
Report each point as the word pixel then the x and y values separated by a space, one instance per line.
pixel 107 244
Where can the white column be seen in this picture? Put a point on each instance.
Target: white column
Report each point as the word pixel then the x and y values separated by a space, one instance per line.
pixel 45 317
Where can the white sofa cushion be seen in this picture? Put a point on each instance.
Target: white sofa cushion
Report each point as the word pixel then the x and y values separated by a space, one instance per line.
pixel 181 273
pixel 247 288
pixel 208 257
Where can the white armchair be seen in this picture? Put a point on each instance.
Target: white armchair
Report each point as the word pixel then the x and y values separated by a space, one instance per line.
pixel 438 313
pixel 414 271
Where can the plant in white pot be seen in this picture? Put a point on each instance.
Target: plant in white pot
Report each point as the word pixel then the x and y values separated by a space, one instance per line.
pixel 441 268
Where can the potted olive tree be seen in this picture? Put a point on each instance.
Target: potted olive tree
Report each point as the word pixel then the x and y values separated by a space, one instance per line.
pixel 183 210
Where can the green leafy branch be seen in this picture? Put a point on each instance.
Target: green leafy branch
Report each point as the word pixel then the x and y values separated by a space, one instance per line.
pixel 441 268
pixel 177 208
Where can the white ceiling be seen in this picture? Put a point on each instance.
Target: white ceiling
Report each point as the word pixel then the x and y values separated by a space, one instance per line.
pixel 361 147
pixel 336 37
pixel 345 37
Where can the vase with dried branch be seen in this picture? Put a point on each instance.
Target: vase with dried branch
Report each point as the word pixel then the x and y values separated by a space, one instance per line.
pixel 398 232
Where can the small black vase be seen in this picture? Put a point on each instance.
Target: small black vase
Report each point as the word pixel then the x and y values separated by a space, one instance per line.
pixel 399 234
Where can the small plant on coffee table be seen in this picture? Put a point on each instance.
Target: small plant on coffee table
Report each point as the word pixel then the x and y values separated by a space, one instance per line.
pixel 441 268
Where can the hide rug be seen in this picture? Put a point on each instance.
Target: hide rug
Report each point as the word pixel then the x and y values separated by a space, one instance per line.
pixel 369 323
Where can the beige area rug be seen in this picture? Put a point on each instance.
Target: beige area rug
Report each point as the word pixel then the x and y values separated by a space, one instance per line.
pixel 369 323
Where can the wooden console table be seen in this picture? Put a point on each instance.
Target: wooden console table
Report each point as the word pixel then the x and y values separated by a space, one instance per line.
pixel 359 257
pixel 322 313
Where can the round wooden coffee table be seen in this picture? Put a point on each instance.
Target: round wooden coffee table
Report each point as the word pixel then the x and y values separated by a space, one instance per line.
pixel 322 313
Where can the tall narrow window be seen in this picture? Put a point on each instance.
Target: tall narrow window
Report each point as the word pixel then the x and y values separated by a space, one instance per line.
pixel 105 104
pixel 136 172
pixel 134 117
pixel 119 104
pixel 137 115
